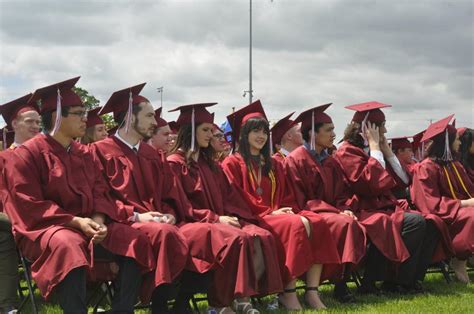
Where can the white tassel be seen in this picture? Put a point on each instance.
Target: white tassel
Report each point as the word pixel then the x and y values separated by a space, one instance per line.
pixel 4 134
pixel 447 150
pixel 128 118
pixel 311 145
pixel 57 122
pixel 193 131
pixel 271 144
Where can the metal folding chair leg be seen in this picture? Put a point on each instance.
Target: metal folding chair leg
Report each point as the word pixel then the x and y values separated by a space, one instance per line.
pixel 25 264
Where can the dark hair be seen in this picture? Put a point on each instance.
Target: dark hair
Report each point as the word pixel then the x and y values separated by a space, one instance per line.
pixel 352 133
pixel 244 146
pixel 47 118
pixel 183 143
pixel 437 147
pixel 306 133
pixel 121 115
pixel 465 156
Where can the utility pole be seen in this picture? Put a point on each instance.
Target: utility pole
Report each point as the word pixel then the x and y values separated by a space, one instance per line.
pixel 160 90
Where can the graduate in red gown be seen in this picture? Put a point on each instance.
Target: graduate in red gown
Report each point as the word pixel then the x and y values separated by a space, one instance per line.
pixel 318 182
pixel 371 171
pixel 23 123
pixel 62 211
pixel 145 190
pixel 286 137
pixel 96 129
pixel 257 269
pixel 162 135
pixel 442 187
pixel 403 150
pixel 303 239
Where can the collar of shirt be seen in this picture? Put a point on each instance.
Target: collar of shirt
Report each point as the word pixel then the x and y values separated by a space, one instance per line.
pixel 318 157
pixel 134 148
pixel 284 151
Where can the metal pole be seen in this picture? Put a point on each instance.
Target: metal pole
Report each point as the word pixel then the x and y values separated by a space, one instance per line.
pixel 250 57
pixel 160 90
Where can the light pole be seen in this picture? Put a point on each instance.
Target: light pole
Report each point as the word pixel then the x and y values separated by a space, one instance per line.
pixel 160 90
pixel 250 91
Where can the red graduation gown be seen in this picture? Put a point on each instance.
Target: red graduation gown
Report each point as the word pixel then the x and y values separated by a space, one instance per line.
pixel 209 189
pixel 317 187
pixel 432 195
pixel 297 253
pixel 48 186
pixel 368 195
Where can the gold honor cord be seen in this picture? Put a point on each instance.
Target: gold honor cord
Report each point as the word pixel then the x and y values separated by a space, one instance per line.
pixel 449 183
pixel 460 179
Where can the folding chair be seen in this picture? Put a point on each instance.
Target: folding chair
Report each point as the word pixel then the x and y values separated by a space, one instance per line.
pixel 25 264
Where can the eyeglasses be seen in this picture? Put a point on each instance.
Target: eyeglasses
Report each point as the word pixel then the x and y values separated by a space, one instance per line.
pixel 80 114
pixel 218 136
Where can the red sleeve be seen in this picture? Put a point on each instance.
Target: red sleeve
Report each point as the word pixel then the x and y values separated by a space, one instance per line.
pixel 365 174
pixel 180 172
pixel 426 193
pixel 30 213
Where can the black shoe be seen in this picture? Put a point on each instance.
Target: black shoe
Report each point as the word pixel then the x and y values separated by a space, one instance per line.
pixel 415 288
pixel 392 287
pixel 342 293
pixel 369 288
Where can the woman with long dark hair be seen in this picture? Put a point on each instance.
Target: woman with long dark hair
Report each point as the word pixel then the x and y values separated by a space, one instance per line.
pixel 441 186
pixel 255 270
pixel 466 151
pixel 303 238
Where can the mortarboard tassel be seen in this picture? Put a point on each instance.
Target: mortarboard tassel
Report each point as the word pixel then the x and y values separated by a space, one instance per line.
pixel 193 131
pixel 4 135
pixel 271 144
pixel 447 156
pixel 57 122
pixel 311 145
pixel 128 118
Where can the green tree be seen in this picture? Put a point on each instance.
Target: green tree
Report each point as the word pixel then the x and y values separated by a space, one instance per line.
pixel 91 102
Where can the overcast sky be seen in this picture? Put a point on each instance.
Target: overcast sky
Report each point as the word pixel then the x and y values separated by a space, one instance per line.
pixel 417 56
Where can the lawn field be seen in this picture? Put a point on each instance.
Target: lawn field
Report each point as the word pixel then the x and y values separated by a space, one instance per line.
pixel 440 298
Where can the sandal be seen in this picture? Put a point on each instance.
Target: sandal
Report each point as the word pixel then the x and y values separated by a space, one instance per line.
pixel 245 307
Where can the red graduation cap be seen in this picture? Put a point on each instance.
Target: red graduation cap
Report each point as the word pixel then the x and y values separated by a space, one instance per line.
pixel 461 131
pixel 93 117
pixel 281 127
pixel 401 142
pixel 159 120
pixel 12 109
pixel 194 114
pixel 121 100
pixel 438 128
pixel 315 114
pixel 371 108
pixel 174 126
pixel 201 115
pixel 49 96
pixel 238 118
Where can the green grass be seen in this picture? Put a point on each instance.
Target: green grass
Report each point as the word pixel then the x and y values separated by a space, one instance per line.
pixel 441 298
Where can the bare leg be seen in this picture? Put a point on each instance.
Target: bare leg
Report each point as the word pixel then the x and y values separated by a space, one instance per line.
pixel 289 299
pixel 313 277
pixel 460 270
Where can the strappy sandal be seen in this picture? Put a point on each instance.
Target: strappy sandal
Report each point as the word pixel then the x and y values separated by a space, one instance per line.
pixel 280 303
pixel 245 307
pixel 317 292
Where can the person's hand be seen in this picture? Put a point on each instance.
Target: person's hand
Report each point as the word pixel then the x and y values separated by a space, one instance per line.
pixel 168 219
pixel 349 213
pixel 283 210
pixel 228 220
pixel 90 228
pixel 373 136
pixel 149 216
pixel 384 147
pixel 467 203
